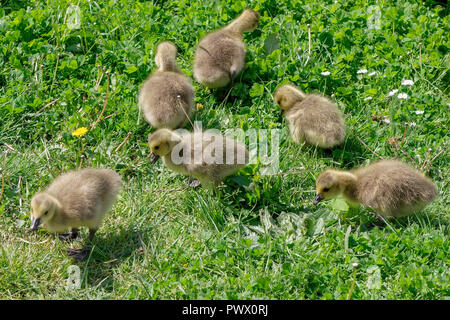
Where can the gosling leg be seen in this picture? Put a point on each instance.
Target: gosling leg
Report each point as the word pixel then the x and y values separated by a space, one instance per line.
pixel 82 254
pixel 380 221
pixel 70 235
pixel 92 234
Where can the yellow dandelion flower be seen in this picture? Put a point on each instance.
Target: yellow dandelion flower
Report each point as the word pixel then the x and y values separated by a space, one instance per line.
pixel 199 106
pixel 185 265
pixel 80 132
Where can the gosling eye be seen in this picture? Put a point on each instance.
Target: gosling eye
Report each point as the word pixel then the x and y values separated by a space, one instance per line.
pixel 326 189
pixel 45 213
pixel 157 147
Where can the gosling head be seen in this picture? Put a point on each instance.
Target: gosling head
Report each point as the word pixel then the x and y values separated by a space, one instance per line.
pixel 329 185
pixel 288 95
pixel 161 143
pixel 248 20
pixel 43 208
pixel 166 53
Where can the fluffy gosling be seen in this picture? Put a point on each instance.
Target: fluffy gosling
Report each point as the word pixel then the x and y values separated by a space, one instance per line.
pixel 206 156
pixel 390 187
pixel 220 55
pixel 166 98
pixel 311 118
pixel 75 199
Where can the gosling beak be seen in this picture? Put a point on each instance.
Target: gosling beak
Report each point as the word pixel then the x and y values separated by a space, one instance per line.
pixel 317 199
pixel 35 223
pixel 153 158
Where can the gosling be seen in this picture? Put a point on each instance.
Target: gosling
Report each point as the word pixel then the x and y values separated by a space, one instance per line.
pixel 312 118
pixel 220 55
pixel 75 199
pixel 390 187
pixel 166 98
pixel 205 155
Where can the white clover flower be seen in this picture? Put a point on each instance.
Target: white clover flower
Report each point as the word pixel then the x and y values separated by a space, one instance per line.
pixel 368 98
pixel 325 73
pixel 355 265
pixel 386 120
pixel 419 111
pixel 407 82
pixel 393 92
pixel 402 96
pixel 361 71
pixel 412 124
pixel 372 74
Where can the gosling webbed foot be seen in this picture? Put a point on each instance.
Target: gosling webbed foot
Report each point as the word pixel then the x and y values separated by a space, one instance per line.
pixel 78 254
pixel 65 236
pixel 194 184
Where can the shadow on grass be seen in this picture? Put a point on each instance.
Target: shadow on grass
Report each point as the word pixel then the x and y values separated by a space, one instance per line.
pixel 223 95
pixel 107 252
pixel 347 153
pixel 426 221
pixel 242 192
pixel 238 196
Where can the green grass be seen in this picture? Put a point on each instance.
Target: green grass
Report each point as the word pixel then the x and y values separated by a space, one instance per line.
pixel 261 237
